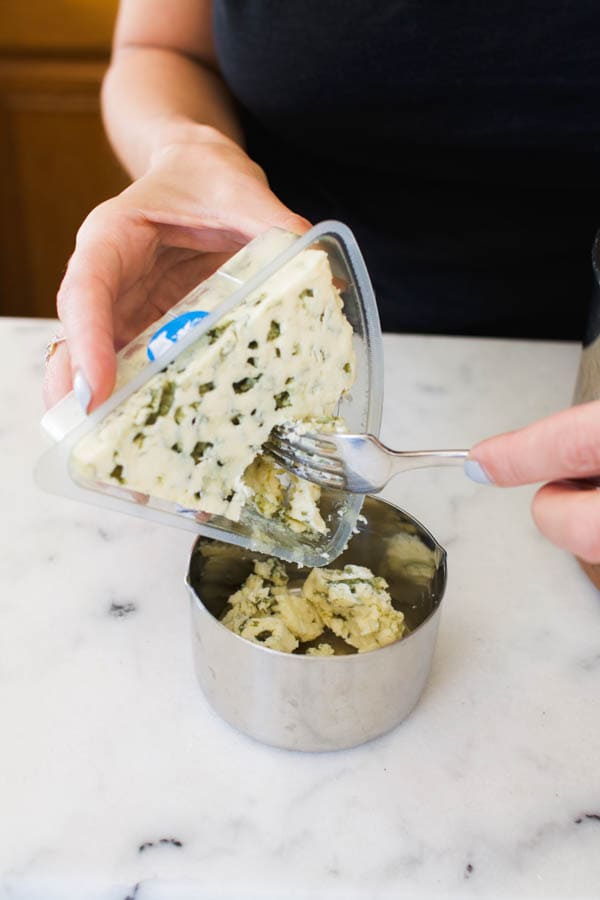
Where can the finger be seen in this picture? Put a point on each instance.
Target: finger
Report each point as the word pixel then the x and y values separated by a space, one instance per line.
pixel 569 516
pixel 564 445
pixel 95 276
pixel 57 378
pixel 85 305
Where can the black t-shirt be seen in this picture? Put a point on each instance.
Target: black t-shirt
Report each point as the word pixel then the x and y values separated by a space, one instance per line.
pixel 459 140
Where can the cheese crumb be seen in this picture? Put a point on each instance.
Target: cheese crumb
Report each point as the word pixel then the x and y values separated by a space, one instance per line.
pixel 352 602
pixel 355 605
pixel 407 556
pixel 321 650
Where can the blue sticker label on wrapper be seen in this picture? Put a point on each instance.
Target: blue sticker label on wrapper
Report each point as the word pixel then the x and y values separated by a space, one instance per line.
pixel 170 333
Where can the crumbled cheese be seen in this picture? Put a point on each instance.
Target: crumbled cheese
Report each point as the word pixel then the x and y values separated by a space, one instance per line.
pixel 303 511
pixel 189 434
pixel 407 556
pixel 256 605
pixel 321 650
pixel 269 631
pixel 320 425
pixel 300 616
pixel 353 603
pixel 276 493
pixel 271 570
pixel 266 483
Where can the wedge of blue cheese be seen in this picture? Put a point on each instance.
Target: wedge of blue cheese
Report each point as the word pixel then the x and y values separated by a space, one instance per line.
pixel 351 602
pixel 190 433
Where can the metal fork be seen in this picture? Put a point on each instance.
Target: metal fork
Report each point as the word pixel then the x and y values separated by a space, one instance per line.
pixel 358 463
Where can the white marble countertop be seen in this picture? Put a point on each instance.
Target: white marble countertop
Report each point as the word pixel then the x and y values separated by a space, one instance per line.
pixel 118 781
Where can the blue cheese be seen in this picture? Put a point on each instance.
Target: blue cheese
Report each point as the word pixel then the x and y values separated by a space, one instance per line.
pixel 269 631
pixel 351 602
pixel 299 615
pixel 190 433
pixel 356 605
pixel 277 494
pixel 266 612
pixel 321 650
pixel 406 556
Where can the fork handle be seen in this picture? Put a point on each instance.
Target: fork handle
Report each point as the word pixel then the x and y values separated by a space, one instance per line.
pixel 405 460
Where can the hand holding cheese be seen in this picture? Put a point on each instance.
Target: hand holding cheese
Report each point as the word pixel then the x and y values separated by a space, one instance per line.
pixel 193 436
pixel 137 254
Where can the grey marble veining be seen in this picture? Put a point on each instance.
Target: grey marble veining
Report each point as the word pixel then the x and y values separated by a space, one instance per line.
pixel 118 782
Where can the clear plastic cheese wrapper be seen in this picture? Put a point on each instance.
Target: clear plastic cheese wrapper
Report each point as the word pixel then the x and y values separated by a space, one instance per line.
pixel 286 331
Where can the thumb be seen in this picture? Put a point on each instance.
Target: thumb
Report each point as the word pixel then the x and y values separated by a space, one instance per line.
pixel 85 304
pixel 563 445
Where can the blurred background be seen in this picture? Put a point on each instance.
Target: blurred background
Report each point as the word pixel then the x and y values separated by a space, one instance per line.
pixel 55 162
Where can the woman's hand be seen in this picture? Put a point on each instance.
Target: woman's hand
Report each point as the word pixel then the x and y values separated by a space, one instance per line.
pixel 137 254
pixel 563 446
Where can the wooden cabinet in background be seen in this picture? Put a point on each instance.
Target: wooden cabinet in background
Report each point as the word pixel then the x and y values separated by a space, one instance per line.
pixel 55 162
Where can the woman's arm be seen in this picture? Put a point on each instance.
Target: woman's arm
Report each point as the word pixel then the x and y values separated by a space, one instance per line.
pixel 163 84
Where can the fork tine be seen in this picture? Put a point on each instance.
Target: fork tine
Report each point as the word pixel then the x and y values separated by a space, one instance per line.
pixel 311 461
pixel 309 443
pixel 323 478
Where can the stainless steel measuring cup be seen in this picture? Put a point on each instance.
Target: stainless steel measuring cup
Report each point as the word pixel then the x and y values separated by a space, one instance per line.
pixel 304 702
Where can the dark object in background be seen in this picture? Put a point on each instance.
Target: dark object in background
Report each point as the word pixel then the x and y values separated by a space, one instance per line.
pixel 459 142
pixel 587 386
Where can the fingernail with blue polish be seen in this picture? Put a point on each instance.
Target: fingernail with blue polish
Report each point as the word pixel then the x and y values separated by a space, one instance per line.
pixel 476 472
pixel 82 390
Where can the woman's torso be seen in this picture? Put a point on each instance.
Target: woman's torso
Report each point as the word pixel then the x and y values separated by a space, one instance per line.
pixel 459 141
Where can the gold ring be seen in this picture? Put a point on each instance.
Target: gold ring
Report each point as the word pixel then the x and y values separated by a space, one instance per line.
pixel 51 347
